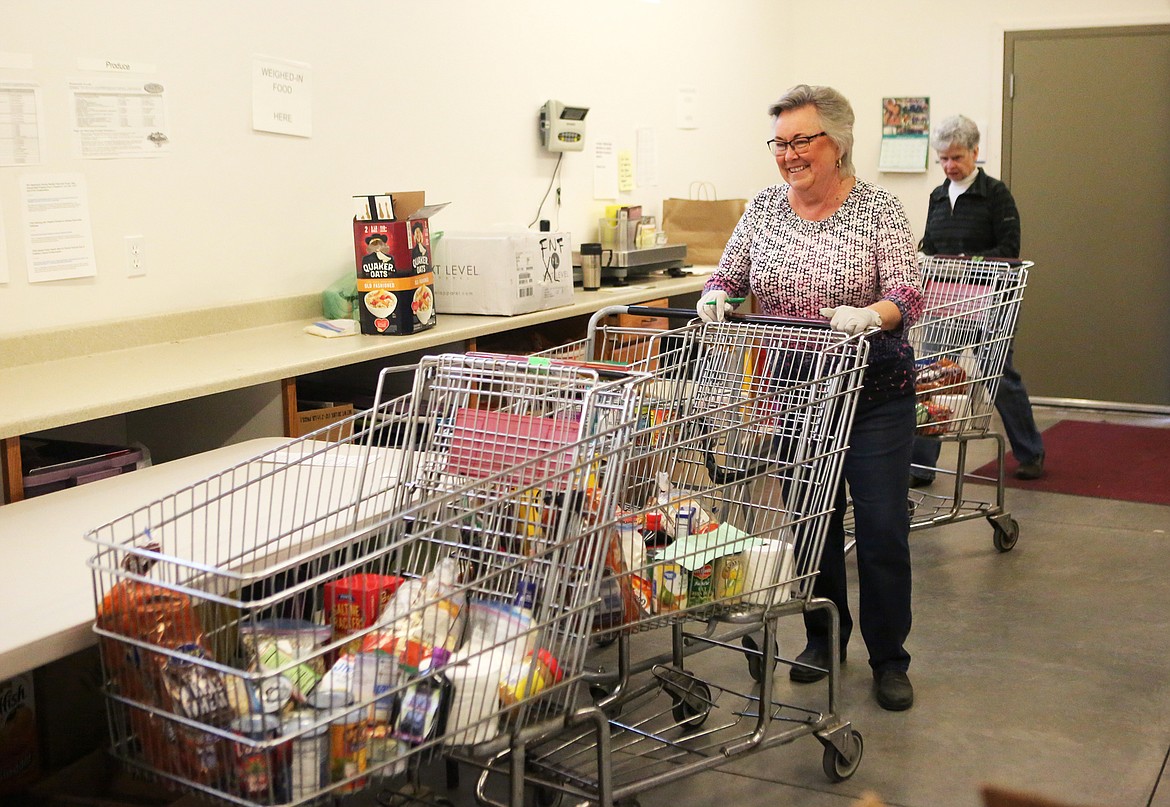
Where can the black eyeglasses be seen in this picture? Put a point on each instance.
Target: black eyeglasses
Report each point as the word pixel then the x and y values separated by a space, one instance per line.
pixel 799 144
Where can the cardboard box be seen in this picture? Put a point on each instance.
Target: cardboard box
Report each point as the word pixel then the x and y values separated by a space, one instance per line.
pixel 395 284
pixel 354 602
pixel 313 415
pixel 19 752
pixel 502 274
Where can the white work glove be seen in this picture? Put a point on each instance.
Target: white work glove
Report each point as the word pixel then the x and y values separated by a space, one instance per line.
pixel 850 320
pixel 713 306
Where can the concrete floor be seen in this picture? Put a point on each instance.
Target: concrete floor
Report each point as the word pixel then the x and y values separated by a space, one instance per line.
pixel 1042 669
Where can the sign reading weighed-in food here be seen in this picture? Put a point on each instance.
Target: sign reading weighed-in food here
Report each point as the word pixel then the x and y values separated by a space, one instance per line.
pixel 392 246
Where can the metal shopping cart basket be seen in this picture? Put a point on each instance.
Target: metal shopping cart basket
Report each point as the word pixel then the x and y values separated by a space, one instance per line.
pixel 961 344
pixel 728 492
pixel 329 615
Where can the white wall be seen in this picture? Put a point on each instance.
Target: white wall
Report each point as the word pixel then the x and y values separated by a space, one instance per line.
pixel 443 95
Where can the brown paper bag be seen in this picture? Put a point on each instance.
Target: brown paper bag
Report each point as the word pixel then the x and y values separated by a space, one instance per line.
pixel 703 223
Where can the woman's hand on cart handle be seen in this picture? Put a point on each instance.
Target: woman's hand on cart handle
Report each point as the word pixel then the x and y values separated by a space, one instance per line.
pixel 851 320
pixel 714 305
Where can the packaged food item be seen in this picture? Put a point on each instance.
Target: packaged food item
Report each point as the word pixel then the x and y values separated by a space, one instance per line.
pixel 199 693
pixel 528 678
pixel 308 770
pixel 425 702
pixel 367 677
pixel 348 752
pixel 929 412
pixel 354 602
pixel 432 610
pixel 701 585
pixel 19 752
pixel 729 577
pixel 671 586
pixel 943 373
pixel 261 772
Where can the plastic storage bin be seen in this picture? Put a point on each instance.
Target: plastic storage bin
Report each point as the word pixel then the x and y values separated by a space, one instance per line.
pixel 52 465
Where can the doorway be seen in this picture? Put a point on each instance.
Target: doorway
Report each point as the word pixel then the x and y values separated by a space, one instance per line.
pixel 1086 119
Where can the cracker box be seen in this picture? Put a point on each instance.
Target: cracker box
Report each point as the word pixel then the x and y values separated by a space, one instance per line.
pixel 502 274
pixel 354 602
pixel 395 284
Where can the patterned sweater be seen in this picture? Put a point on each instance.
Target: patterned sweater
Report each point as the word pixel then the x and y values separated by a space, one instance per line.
pixel 862 253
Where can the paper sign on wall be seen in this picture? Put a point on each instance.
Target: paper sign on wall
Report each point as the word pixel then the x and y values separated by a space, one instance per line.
pixel 282 97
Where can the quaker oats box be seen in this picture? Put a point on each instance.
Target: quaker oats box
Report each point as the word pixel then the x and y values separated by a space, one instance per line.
pixel 392 247
pixel 502 274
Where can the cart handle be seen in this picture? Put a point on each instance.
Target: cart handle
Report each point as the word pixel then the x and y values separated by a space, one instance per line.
pixel 751 319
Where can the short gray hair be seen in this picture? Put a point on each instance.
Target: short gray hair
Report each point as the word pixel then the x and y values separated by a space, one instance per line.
pixel 836 116
pixel 957 130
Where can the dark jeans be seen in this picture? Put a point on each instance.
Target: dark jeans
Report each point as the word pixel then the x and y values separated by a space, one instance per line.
pixel 1015 409
pixel 875 468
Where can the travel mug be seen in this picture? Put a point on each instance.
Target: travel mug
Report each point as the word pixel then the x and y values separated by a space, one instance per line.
pixel 591 266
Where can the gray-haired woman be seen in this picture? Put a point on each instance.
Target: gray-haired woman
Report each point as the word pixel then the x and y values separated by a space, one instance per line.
pixel 825 243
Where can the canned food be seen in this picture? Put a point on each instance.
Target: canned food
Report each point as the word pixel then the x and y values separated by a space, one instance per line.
pixel 261 772
pixel 308 769
pixel 348 754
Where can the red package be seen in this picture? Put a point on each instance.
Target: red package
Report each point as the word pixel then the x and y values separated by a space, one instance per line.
pixel 354 602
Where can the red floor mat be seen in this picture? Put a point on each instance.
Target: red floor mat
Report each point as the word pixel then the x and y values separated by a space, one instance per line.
pixel 1102 460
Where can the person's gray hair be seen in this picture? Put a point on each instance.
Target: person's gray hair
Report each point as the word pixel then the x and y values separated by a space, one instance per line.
pixel 836 115
pixel 957 130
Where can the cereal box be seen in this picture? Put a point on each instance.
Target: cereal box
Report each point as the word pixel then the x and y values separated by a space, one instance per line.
pixel 395 281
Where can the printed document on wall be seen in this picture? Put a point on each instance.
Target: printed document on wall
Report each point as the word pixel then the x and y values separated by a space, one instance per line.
pixel 119 118
pixel 22 135
pixel 58 234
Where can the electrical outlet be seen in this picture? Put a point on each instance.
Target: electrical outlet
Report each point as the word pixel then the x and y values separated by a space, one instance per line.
pixel 135 256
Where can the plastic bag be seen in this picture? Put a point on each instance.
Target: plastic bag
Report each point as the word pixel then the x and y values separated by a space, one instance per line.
pixel 339 300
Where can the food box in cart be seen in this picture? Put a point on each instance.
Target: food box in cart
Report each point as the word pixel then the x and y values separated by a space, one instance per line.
pixel 392 248
pixel 502 274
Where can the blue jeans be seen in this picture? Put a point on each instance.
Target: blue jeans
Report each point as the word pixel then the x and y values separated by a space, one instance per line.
pixel 875 468
pixel 1015 409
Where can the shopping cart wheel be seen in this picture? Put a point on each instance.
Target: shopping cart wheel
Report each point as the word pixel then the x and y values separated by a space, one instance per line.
pixel 838 766
pixel 692 708
pixel 755 659
pixel 1005 531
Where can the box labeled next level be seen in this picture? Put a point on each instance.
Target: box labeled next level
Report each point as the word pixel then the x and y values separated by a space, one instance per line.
pixel 394 278
pixel 502 273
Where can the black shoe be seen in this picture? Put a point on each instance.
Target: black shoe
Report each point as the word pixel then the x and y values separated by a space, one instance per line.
pixel 920 481
pixel 1031 470
pixel 812 657
pixel 893 690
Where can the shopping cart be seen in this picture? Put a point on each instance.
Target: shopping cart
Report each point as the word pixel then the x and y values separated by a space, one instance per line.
pixel 331 614
pixel 729 488
pixel 961 344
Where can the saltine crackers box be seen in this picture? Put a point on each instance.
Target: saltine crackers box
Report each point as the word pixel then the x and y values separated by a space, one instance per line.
pixel 502 274
pixel 392 247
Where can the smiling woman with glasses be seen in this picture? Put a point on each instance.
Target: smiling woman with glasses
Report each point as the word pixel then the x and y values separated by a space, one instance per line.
pixel 824 243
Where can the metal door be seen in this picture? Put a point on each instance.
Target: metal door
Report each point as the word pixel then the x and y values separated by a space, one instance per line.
pixel 1086 137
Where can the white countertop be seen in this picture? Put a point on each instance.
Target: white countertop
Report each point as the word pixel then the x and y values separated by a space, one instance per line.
pixel 44 394
pixel 46 588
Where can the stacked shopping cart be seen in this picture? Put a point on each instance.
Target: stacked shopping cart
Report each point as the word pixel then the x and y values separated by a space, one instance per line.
pixel 425 579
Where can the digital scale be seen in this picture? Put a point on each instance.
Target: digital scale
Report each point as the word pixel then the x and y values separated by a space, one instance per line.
pixel 620 265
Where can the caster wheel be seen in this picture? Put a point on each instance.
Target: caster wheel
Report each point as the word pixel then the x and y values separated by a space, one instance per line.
pixel 837 766
pixel 1005 533
pixel 692 708
pixel 605 640
pixel 599 692
pixel 755 660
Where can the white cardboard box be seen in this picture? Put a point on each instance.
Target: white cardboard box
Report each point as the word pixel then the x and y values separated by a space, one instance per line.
pixel 501 273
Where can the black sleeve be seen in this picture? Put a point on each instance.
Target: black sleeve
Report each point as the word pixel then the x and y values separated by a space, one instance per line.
pixel 1005 222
